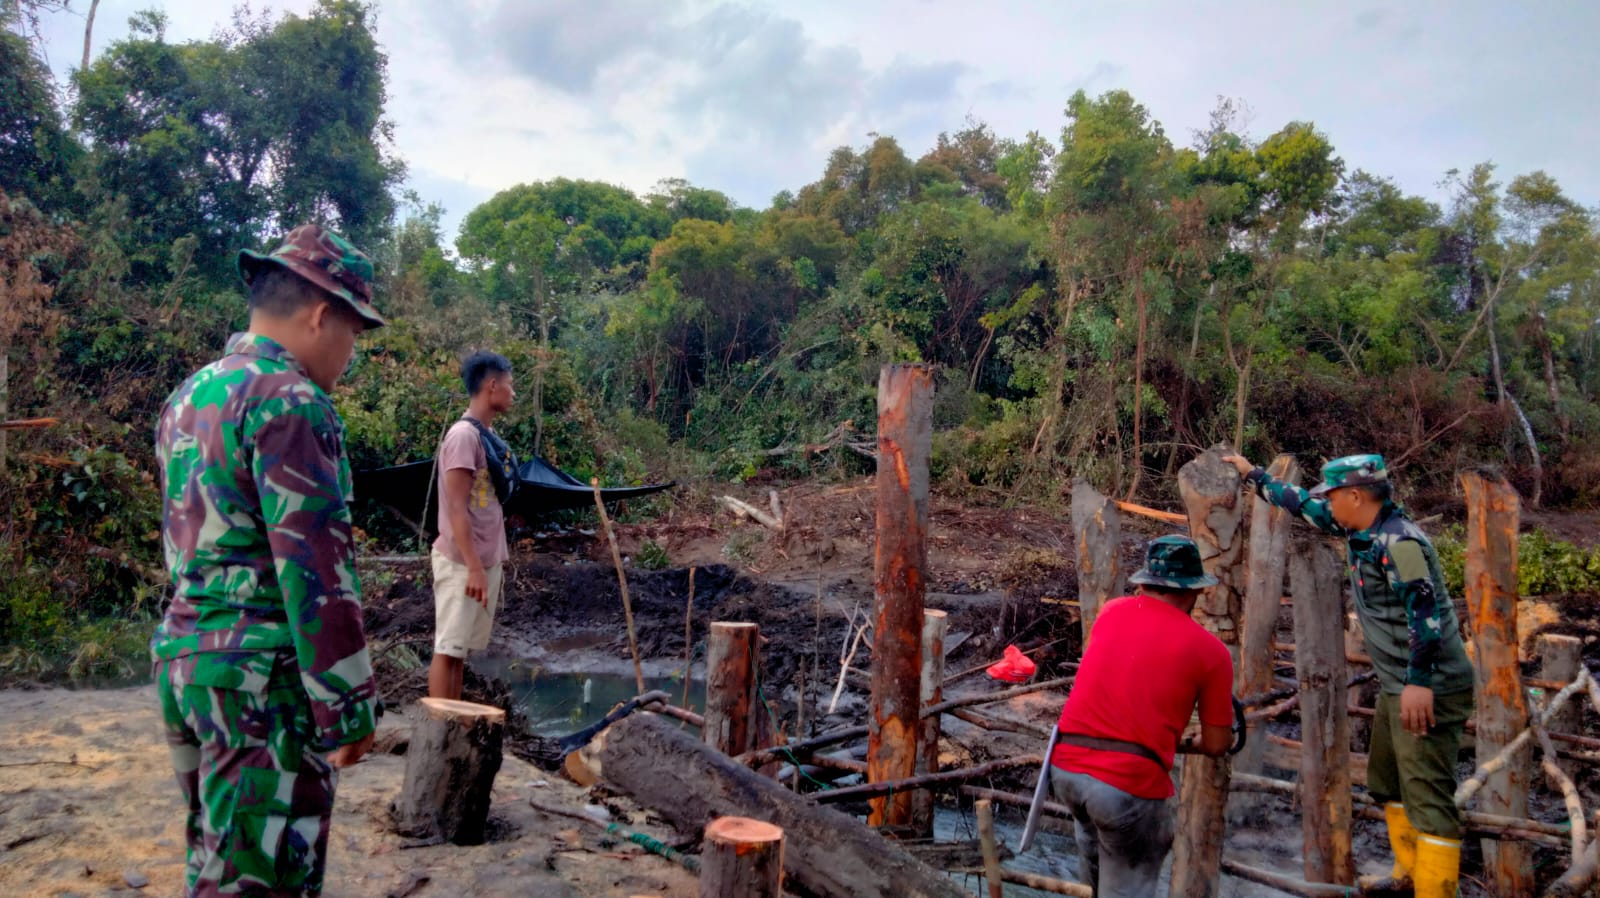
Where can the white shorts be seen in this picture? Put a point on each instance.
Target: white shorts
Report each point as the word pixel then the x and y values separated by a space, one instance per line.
pixel 461 624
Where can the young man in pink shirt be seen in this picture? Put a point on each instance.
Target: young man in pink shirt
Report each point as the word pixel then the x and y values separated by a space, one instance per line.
pixel 1147 667
pixel 476 474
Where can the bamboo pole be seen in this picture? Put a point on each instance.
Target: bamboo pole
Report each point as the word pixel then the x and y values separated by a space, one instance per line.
pixel 731 665
pixel 1324 723
pixel 905 432
pixel 1491 592
pixel 1097 532
pixel 622 583
pixel 1210 490
pixel 934 624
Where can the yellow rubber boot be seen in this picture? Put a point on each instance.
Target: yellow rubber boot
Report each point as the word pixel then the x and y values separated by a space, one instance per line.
pixel 1402 839
pixel 1438 866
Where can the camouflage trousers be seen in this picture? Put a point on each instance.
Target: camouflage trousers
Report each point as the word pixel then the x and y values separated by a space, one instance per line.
pixel 259 799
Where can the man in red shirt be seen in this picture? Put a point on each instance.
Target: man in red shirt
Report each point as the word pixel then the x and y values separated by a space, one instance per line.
pixel 1148 665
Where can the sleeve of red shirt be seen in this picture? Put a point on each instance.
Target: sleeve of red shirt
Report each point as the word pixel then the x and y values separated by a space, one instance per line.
pixel 1216 692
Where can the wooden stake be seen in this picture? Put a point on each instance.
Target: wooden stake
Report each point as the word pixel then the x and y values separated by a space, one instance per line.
pixel 622 582
pixel 1097 529
pixel 1324 724
pixel 933 630
pixel 1560 657
pixel 688 637
pixel 991 852
pixel 1210 490
pixel 1269 538
pixel 905 433
pixel 1502 713
pixel 743 858
pixel 450 771
pixel 731 665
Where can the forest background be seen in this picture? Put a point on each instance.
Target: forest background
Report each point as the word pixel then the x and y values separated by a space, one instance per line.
pixel 1102 299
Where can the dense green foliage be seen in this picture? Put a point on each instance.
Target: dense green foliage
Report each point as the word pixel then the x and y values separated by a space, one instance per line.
pixel 1099 304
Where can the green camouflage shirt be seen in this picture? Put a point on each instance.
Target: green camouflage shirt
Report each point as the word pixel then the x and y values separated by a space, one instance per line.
pixel 257 533
pixel 1409 621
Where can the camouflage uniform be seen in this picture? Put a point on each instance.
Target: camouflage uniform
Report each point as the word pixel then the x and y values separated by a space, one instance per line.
pixel 261 660
pixel 1411 633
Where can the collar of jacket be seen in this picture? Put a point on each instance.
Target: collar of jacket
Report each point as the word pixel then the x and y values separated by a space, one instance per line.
pixel 260 347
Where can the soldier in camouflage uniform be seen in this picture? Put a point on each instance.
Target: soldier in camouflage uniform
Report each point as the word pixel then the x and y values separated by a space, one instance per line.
pixel 261 660
pixel 1415 642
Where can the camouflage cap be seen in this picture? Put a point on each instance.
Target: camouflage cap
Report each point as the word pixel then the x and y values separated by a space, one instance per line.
pixel 1352 470
pixel 1172 562
pixel 326 260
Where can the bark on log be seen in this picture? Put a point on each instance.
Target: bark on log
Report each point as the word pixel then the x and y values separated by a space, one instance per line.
pixel 1210 490
pixel 743 858
pixel 1502 713
pixel 826 853
pixel 1097 532
pixel 1324 723
pixel 731 665
pixel 932 692
pixel 905 434
pixel 1269 538
pixel 450 769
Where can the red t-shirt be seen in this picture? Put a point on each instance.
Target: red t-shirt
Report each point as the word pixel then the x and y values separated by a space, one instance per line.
pixel 1147 666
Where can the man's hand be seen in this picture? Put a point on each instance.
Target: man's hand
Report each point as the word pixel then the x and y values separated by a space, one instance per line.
pixel 1416 709
pixel 1240 462
pixel 347 755
pixel 478 585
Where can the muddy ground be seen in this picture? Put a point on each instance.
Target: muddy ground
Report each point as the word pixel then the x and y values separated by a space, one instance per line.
pixel 87 802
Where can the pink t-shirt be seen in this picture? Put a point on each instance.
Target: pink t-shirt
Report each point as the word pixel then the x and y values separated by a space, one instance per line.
pixel 462 449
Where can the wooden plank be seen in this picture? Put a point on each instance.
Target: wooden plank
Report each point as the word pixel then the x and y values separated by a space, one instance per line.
pixel 1491 591
pixel 1210 490
pixel 905 436
pixel 1324 724
pixel 1097 532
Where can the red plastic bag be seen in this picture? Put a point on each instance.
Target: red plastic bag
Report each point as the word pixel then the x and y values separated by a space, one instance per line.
pixel 1015 667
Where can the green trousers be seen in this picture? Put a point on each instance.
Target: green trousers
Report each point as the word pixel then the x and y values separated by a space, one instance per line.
pixel 1420 771
pixel 259 800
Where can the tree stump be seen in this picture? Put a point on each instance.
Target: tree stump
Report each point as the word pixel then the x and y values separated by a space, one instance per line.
pixel 450 770
pixel 1097 528
pixel 743 858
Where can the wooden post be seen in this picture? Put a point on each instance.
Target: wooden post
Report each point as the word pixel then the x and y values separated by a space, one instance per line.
pixel 1491 587
pixel 1269 539
pixel 1314 575
pixel 450 770
pixel 1560 659
pixel 1097 532
pixel 731 665
pixel 743 858
pixel 1210 490
pixel 905 435
pixel 934 624
pixel 826 852
pixel 991 850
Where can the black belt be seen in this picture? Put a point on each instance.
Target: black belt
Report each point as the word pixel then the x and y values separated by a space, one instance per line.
pixel 1101 744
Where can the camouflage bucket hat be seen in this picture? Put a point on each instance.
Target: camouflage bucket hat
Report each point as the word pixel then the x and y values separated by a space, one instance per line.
pixel 326 260
pixel 1172 562
pixel 1352 470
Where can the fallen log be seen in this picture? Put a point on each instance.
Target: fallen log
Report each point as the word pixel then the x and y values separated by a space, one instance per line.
pixel 826 853
pixel 947 778
pixel 1022 801
pixel 1288 883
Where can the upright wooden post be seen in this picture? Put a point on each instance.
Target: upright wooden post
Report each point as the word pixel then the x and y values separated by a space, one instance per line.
pixel 743 858
pixel 1560 659
pixel 934 624
pixel 1269 539
pixel 1491 586
pixel 1210 489
pixel 731 665
pixel 905 435
pixel 450 770
pixel 1314 577
pixel 989 847
pixel 1097 532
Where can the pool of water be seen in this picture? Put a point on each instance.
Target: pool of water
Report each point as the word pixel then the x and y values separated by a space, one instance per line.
pixel 559 703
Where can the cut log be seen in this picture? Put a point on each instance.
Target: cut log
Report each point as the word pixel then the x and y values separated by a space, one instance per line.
pixel 1269 536
pixel 450 769
pixel 1559 659
pixel 1324 723
pixel 826 853
pixel 743 858
pixel 731 664
pixel 1502 712
pixel 1097 528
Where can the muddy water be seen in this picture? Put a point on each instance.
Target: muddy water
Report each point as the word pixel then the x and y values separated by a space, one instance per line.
pixel 560 702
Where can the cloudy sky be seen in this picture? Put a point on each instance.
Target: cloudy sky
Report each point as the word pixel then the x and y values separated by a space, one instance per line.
pixel 749 96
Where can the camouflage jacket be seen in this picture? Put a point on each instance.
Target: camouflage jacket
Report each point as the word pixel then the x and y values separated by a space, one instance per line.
pixel 1409 621
pixel 257 534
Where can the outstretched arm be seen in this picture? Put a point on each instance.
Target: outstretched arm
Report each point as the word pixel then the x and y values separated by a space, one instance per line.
pixel 1296 501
